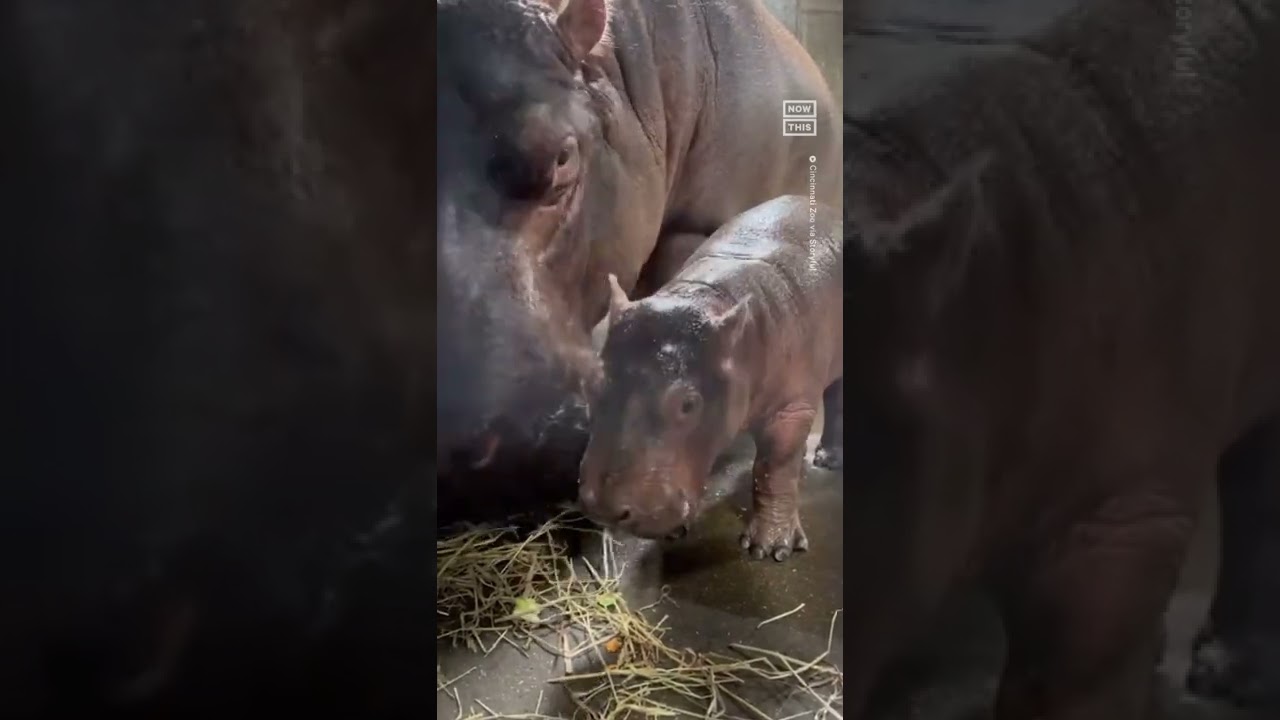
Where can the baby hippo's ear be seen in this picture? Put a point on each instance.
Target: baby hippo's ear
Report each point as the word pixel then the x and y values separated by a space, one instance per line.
pixel 947 215
pixel 617 299
pixel 728 326
pixel 599 334
pixel 591 383
pixel 936 237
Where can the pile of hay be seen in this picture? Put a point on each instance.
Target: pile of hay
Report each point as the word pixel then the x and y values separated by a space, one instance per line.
pixel 495 585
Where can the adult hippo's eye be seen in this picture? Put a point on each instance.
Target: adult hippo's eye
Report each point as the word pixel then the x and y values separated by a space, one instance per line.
pixel 565 171
pixel 567 152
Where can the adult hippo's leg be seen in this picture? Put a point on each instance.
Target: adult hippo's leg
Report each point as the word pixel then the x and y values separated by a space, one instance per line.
pixel 669 255
pixel 830 452
pixel 1236 655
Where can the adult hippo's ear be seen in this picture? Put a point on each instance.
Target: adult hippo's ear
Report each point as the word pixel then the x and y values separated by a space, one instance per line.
pixel 617 299
pixel 583 24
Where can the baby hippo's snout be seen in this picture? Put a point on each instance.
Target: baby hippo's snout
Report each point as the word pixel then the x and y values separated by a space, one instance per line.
pixel 643 508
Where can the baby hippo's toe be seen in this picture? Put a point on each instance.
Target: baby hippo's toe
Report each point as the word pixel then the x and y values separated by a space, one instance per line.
pixel 830 458
pixel 772 538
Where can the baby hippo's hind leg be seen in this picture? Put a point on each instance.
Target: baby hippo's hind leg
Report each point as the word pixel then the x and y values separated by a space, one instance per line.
pixel 773 529
pixel 830 452
pixel 1083 618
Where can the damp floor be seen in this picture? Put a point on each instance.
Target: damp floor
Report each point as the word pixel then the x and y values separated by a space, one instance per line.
pixel 717 597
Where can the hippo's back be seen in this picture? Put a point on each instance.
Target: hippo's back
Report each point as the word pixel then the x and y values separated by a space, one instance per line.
pixel 717 123
pixel 1134 175
pixel 785 251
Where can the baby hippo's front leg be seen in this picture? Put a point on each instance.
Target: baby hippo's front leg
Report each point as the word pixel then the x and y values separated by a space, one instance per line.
pixel 773 529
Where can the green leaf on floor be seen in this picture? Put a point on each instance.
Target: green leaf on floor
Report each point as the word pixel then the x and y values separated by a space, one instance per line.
pixel 527 610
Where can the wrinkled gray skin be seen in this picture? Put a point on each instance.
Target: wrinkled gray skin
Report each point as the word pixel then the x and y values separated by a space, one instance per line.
pixel 747 336
pixel 1062 267
pixel 568 153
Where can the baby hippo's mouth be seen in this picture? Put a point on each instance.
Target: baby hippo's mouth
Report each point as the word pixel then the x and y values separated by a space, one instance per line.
pixel 664 531
pixel 646 505
pixel 663 522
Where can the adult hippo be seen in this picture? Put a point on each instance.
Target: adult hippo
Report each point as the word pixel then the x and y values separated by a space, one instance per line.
pixel 219 326
pixel 581 139
pixel 1062 273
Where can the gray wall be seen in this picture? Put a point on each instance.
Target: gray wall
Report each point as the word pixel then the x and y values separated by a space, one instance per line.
pixel 785 10
pixel 819 26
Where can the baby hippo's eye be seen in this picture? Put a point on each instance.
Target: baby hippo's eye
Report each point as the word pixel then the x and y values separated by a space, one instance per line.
pixel 689 404
pixel 681 403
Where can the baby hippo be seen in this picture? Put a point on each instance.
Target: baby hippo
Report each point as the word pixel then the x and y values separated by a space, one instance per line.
pixel 747 336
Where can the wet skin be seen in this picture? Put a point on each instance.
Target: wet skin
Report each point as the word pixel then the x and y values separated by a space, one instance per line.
pixel 578 140
pixel 746 337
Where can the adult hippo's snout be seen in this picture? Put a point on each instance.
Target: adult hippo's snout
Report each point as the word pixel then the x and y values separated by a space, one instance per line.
pixel 511 362
pixel 509 469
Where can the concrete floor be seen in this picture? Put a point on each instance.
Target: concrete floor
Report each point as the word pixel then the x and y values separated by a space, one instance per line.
pixel 719 597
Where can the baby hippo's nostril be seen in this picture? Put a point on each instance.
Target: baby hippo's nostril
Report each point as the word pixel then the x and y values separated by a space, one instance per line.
pixel 623 515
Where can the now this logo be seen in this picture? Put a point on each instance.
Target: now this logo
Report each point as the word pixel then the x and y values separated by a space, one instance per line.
pixel 799 118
